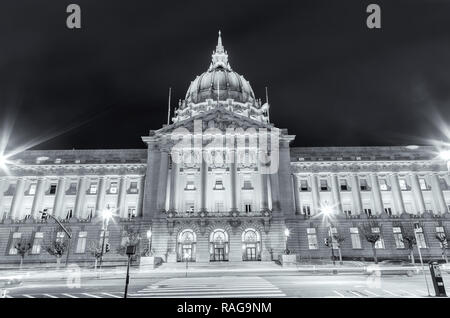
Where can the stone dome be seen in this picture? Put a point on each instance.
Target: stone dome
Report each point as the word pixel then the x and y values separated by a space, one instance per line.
pixel 220 82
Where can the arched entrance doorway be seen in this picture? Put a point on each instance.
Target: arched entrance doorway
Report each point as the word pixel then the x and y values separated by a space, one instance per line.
pixel 218 246
pixel 186 246
pixel 251 245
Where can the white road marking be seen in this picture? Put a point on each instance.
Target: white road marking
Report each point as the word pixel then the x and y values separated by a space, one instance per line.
pixel 355 293
pixel 111 295
pixel 28 296
pixel 391 293
pixel 407 292
pixel 336 292
pixel 369 292
pixel 69 295
pixel 50 296
pixel 90 295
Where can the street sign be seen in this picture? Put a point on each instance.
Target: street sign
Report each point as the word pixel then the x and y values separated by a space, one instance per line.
pixel 436 277
pixel 131 250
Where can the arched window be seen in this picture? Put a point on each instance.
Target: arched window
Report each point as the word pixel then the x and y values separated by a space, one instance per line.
pixel 186 246
pixel 218 245
pixel 251 245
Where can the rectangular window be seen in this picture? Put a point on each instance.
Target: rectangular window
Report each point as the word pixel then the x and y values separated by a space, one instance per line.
pixel 306 209
pixel 37 242
pixel 420 237
pixel 398 237
pixel 403 185
pixel 388 211
pixel 52 189
pixel 133 187
pixel 190 207
pixel 190 185
pixel 113 188
pixel 15 239
pixel 303 185
pixel 218 185
pixel 32 190
pixel 356 238
pixel 323 185
pixel 131 212
pixel 380 243
pixel 344 185
pixel 363 185
pixel 368 212
pixel 247 184
pixel 347 208
pixel 248 207
pixel 81 243
pixel 383 185
pixel 312 239
pixel 219 207
pixel 93 188
pixel 423 184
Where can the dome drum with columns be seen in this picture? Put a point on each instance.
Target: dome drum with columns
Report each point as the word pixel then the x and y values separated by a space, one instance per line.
pixel 220 86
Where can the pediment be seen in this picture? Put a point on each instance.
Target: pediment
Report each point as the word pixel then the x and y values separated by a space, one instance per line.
pixel 216 118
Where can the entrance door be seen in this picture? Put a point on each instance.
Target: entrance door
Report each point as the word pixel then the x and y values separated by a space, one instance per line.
pixel 186 253
pixel 219 253
pixel 251 252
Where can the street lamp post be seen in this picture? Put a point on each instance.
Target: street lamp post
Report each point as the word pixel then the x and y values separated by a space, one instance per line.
pixel 286 235
pixel 421 261
pixel 106 214
pixel 149 237
pixel 328 211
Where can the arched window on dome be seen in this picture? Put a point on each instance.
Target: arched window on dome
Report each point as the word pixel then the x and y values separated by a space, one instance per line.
pixel 186 246
pixel 251 245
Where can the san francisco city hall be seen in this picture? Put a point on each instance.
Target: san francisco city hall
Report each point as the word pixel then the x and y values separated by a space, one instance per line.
pixel 220 210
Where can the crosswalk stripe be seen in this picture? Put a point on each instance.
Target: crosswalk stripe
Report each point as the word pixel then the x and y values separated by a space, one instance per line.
pixel 111 295
pixel 69 295
pixel 209 296
pixel 369 292
pixel 356 294
pixel 28 296
pixel 336 292
pixel 50 296
pixel 391 293
pixel 147 290
pixel 188 292
pixel 423 292
pixel 90 295
pixel 8 296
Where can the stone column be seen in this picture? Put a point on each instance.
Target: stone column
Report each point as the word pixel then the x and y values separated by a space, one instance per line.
pixel 173 183
pixel 16 203
pixel 275 187
pixel 315 194
pixel 100 204
pixel 336 194
pixel 296 195
pixel 38 198
pixel 397 194
pixel 162 182
pixel 140 205
pixel 356 192
pixel 437 191
pixel 376 193
pixel 81 197
pixel 121 197
pixel 3 188
pixel 204 184
pixel 264 192
pixel 59 198
pixel 417 193
pixel 233 181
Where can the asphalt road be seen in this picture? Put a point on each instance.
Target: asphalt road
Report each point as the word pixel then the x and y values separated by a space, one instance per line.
pixel 224 285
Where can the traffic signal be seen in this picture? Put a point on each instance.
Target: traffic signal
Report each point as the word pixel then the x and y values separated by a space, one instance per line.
pixel 107 247
pixel 326 241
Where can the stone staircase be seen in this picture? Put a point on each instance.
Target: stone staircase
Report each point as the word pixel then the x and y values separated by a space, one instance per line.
pixel 219 266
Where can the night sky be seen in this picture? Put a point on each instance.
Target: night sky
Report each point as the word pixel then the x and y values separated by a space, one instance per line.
pixel 332 81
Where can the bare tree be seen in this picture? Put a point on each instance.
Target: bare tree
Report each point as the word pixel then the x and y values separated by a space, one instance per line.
pixel 57 246
pixel 23 247
pixel 409 240
pixel 370 236
pixel 442 238
pixel 339 239
pixel 95 250
pixel 132 237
